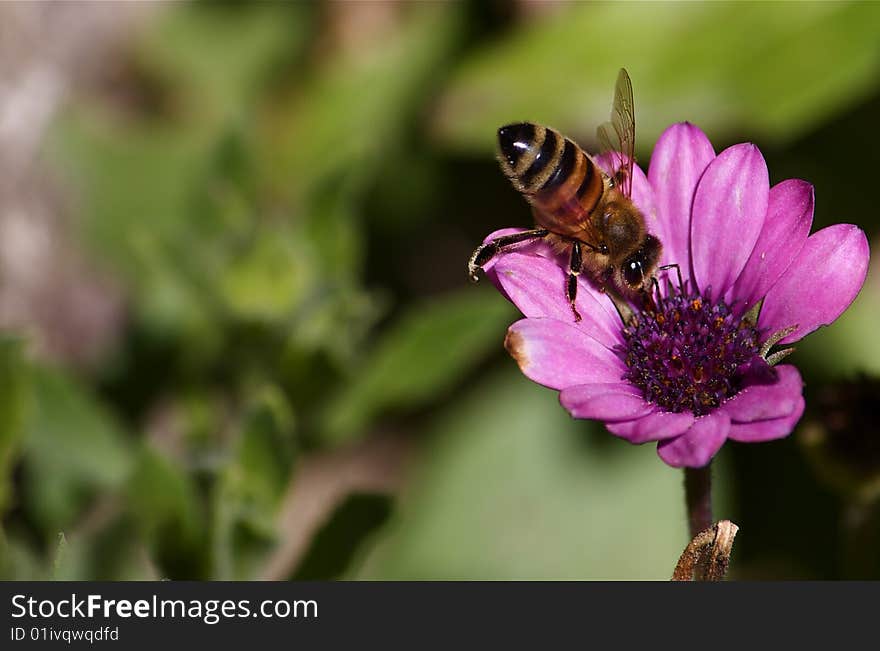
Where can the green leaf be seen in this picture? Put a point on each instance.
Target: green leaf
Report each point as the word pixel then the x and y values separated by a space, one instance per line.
pixel 252 484
pixel 268 279
pixel 219 54
pixel 265 451
pixel 339 541
pixel 137 185
pixel 163 500
pixel 136 180
pixel 14 394
pixel 737 70
pixel 145 178
pixel 113 551
pixel 418 360
pixel 353 107
pixel 18 561
pixel 510 487
pixel 73 450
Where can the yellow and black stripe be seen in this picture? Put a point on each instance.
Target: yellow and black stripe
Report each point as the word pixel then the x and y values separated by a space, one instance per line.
pixel 557 177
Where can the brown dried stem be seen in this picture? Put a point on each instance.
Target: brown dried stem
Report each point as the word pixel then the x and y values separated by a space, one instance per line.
pixel 707 556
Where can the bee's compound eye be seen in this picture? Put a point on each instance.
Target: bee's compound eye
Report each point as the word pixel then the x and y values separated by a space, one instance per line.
pixel 642 263
pixel 633 272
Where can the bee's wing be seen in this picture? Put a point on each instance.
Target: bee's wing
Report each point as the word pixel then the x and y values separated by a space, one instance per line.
pixel 618 136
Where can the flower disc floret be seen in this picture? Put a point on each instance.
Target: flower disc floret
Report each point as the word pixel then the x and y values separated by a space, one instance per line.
pixel 688 353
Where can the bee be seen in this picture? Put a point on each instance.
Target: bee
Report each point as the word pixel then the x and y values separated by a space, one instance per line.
pixel 577 206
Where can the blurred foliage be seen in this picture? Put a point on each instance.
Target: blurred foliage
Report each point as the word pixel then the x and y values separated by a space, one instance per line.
pixel 446 336
pixel 73 451
pixel 594 507
pixel 14 396
pixel 287 194
pixel 738 70
pixel 336 544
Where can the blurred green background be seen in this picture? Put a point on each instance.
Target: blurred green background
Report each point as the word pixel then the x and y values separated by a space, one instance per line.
pixel 238 340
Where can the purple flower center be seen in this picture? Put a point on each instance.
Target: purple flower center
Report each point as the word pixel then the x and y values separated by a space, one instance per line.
pixel 688 353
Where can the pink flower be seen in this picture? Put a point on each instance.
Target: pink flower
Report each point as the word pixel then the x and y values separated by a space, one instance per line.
pixel 692 373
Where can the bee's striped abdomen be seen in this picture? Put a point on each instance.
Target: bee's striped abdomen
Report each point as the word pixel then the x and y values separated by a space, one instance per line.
pixel 556 176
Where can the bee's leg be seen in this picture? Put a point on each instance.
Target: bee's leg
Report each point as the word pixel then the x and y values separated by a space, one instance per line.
pixel 648 300
pixel 655 284
pixel 574 270
pixel 489 250
pixel 677 272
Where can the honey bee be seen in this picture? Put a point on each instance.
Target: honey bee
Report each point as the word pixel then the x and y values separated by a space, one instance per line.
pixel 577 206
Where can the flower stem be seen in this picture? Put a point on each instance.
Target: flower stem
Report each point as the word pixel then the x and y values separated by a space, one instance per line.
pixel 698 496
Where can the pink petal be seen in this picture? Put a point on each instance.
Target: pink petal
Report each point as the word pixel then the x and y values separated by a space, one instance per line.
pixel 655 426
pixel 789 217
pixel 820 284
pixel 730 205
pixel 559 355
pixel 767 430
pixel 609 402
pixel 696 447
pixel 537 285
pixel 764 401
pixel 680 157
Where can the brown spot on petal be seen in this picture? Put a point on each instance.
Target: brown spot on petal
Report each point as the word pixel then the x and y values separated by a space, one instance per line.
pixel 516 346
